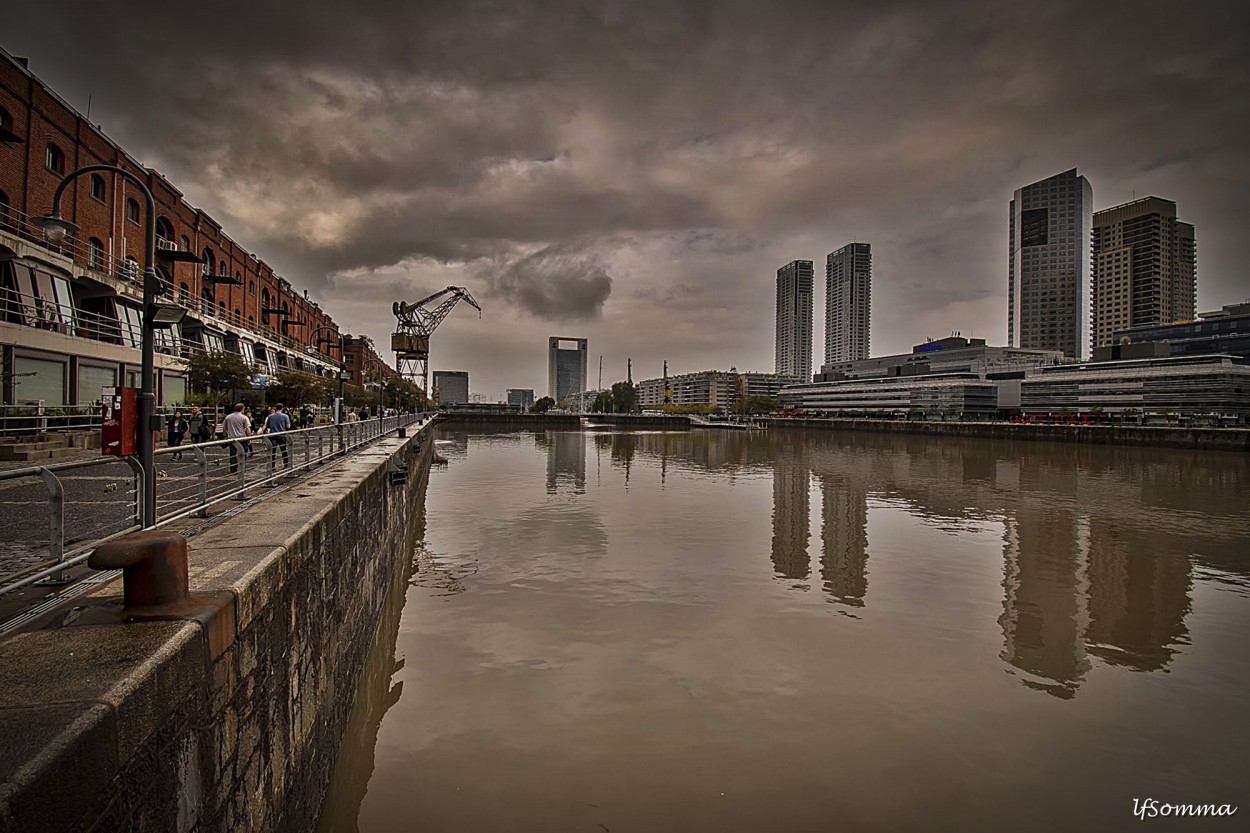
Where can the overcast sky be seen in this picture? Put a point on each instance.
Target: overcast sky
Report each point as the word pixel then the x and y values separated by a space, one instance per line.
pixel 635 173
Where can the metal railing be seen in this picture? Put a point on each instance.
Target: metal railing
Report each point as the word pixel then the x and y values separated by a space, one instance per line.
pixel 61 512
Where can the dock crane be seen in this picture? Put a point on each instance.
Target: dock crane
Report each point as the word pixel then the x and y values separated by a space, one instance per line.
pixel 417 320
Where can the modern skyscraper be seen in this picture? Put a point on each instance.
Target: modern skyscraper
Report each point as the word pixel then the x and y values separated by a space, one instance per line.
pixel 1048 296
pixel 848 303
pixel 1145 268
pixel 794 319
pixel 566 367
pixel 520 397
pixel 451 386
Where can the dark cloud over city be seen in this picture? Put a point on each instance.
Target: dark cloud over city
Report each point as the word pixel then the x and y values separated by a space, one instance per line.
pixel 636 172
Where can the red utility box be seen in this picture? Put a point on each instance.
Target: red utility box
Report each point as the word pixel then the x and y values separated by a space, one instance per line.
pixel 120 432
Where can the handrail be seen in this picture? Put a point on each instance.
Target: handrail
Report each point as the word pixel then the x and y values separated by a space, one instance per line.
pixel 220 470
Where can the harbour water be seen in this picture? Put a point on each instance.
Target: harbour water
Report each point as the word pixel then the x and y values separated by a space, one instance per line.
pixel 788 631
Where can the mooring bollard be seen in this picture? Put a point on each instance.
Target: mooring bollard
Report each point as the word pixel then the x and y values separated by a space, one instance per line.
pixel 154 573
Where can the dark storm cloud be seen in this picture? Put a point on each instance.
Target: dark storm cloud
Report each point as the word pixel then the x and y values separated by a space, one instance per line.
pixel 339 137
pixel 561 282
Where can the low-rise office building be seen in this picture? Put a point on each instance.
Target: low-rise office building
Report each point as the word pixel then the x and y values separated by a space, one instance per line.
pixel 1213 385
pixel 929 396
pixel 721 389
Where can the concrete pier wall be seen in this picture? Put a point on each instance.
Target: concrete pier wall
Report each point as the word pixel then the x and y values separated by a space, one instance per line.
pixel 1201 439
pixel 229 721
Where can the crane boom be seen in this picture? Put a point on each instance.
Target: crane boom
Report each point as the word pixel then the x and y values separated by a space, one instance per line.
pixel 417 321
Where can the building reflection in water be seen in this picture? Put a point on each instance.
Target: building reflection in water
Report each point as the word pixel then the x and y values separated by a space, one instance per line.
pixel 1079 586
pixel 791 515
pixel 1088 572
pixel 1045 598
pixel 844 538
pixel 566 461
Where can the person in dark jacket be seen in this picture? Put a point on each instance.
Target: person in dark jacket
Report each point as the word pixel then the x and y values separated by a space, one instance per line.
pixel 177 433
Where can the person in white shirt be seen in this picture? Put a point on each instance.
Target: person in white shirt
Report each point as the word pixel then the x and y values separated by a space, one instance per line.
pixel 237 426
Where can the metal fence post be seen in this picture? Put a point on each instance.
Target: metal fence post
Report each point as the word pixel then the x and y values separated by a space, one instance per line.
pixel 202 458
pixel 56 525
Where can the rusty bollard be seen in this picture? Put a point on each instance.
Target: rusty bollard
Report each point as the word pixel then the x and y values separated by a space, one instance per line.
pixel 154 574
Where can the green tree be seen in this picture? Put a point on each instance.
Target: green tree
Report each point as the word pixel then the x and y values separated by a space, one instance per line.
pixel 542 406
pixel 218 373
pixel 624 397
pixel 294 389
pixel 758 405
pixel 603 402
pixel 406 395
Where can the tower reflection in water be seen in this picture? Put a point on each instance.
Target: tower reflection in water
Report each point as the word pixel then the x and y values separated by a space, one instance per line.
pixel 1103 583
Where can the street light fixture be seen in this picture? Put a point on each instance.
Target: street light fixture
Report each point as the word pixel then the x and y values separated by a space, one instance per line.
pixel 343 373
pixel 55 228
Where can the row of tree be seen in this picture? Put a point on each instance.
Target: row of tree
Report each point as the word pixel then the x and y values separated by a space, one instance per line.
pixel 215 377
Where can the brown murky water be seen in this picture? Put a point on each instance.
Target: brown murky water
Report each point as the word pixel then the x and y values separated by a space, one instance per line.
pixel 722 631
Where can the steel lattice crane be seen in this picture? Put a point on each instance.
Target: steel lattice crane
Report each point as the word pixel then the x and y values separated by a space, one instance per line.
pixel 417 321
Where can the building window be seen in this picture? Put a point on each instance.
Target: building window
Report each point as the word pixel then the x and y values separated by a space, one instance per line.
pixel 251 287
pixel 97 187
pixel 184 243
pixel 184 292
pixel 164 233
pixel 4 208
pixel 54 159
pixel 132 210
pixel 6 121
pixel 210 263
pixel 95 254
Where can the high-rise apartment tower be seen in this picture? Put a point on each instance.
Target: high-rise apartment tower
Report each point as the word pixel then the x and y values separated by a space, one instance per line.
pixel 1048 295
pixel 566 367
pixel 1145 268
pixel 848 303
pixel 794 319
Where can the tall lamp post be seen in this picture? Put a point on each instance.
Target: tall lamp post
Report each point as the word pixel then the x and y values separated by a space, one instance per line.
pixel 377 365
pixel 343 374
pixel 55 227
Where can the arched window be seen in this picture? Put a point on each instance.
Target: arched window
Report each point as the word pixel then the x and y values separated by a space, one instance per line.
pixel 184 243
pixel 6 121
pixel 98 188
pixel 95 253
pixel 206 294
pixel 251 287
pixel 238 316
pixel 210 263
pixel 221 309
pixel 132 210
pixel 184 292
pixel 54 159
pixel 251 321
pixel 264 299
pixel 164 233
pixel 224 270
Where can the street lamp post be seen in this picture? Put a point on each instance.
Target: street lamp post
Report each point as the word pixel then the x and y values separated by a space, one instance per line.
pixel 338 417
pixel 55 228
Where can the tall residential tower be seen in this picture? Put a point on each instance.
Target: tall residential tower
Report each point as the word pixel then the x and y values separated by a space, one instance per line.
pixel 1145 268
pixel 794 320
pixel 1048 296
pixel 848 303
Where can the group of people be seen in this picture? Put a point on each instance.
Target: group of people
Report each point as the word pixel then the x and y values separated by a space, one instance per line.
pixel 195 427
pixel 240 424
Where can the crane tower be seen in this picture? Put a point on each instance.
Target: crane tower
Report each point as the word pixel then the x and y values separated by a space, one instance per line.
pixel 417 321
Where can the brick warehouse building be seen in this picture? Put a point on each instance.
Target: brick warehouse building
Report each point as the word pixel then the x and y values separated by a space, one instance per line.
pixel 70 313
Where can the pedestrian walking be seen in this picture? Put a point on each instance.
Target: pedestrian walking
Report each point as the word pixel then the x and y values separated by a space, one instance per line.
pixel 197 425
pixel 177 432
pixel 236 426
pixel 276 424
